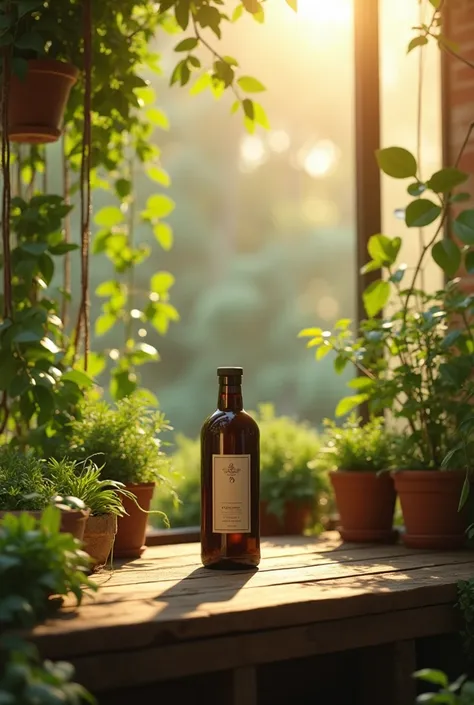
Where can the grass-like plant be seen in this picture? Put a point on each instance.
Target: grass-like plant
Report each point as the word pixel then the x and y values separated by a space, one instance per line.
pixel 358 447
pixel 23 485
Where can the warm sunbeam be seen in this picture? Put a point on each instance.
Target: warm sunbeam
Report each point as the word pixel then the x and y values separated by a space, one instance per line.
pixel 321 11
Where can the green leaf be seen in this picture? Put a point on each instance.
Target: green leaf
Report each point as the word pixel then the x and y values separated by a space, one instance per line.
pixel 447 255
pixel 360 383
pixel 446 179
pixel 30 40
pixel 27 6
pixel 463 227
pixel 181 11
pixel 79 377
pixel 347 404
pixel 421 212
pixel 164 235
pixel 469 262
pixel 158 118
pixel 161 282
pixel 460 197
pixel 19 66
pixel 396 162
pixel 432 676
pixel 248 109
pixel 46 267
pixel 104 323
pixel 159 175
pixel 464 493
pixel 34 248
pixel 123 187
pixel 27 336
pixel 310 333
pixel 252 6
pixel 237 14
pixel 63 248
pixel 260 116
pixel 417 42
pixel 95 364
pixel 108 288
pixel 204 81
pixel 376 296
pixel 187 44
pixel 19 384
pixel 435 3
pixel 416 189
pixel 250 84
pixel 293 4
pixel 123 384
pixel 109 217
pixel 159 206
pixel 384 250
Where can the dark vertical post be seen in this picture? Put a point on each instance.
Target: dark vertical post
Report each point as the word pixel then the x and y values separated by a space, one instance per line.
pixel 367 134
pixel 367 140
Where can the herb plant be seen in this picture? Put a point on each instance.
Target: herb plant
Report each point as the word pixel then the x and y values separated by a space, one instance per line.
pixel 123 438
pixel 38 565
pixel 27 679
pixel 83 480
pixel 358 447
pixel 288 450
pixel 23 485
pixel 185 464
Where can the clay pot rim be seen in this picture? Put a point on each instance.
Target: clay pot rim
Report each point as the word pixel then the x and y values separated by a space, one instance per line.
pixel 54 66
pixel 442 475
pixel 360 473
pixel 38 512
pixel 140 484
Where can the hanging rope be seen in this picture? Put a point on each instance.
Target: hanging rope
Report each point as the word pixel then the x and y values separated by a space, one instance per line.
pixel 6 194
pixel 83 315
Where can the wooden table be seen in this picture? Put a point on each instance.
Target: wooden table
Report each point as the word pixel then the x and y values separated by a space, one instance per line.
pixel 162 625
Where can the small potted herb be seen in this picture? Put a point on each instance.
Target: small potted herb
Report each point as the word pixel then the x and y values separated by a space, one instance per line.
pixel 359 457
pixel 124 439
pixel 24 487
pixel 101 497
pixel 291 483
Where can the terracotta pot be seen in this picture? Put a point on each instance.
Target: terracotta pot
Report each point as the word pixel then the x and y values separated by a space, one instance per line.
pixel 38 101
pixel 366 503
pixel 130 539
pixel 296 518
pixel 430 500
pixel 99 537
pixel 73 522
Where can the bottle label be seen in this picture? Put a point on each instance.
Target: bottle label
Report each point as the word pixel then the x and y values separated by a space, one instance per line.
pixel 231 494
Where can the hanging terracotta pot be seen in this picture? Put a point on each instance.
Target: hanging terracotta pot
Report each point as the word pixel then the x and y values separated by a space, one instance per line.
pixel 72 522
pixel 37 102
pixel 366 503
pixel 430 501
pixel 131 533
pixel 99 537
pixel 296 517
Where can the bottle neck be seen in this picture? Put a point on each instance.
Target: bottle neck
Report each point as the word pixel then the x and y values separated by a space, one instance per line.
pixel 230 395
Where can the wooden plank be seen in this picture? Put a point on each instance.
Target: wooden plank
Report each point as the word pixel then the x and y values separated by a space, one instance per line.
pixel 244 686
pixel 390 664
pixel 174 584
pixel 169 569
pixel 161 663
pixel 143 624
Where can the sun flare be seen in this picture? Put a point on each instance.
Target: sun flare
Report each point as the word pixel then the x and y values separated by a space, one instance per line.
pixel 325 11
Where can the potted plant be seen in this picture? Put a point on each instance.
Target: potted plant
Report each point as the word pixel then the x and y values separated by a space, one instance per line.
pixel 124 438
pixel 291 483
pixel 359 457
pixel 101 497
pixel 40 80
pixel 24 487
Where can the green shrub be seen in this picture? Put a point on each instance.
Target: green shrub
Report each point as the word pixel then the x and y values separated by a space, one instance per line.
pixel 38 562
pixel 23 485
pixel 357 447
pixel 186 466
pixel 288 470
pixel 122 438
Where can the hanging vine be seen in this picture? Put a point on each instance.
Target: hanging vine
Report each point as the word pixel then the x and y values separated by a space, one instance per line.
pixel 83 325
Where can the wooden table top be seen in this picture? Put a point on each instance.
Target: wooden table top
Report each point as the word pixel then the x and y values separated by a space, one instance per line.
pixel 166 599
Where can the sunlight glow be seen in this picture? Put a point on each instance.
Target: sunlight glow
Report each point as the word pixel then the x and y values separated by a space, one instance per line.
pixel 325 12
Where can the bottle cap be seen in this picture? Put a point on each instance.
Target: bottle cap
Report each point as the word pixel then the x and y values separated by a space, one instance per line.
pixel 230 372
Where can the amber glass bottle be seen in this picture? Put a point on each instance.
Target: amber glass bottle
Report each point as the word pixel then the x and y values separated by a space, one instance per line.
pixel 230 480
